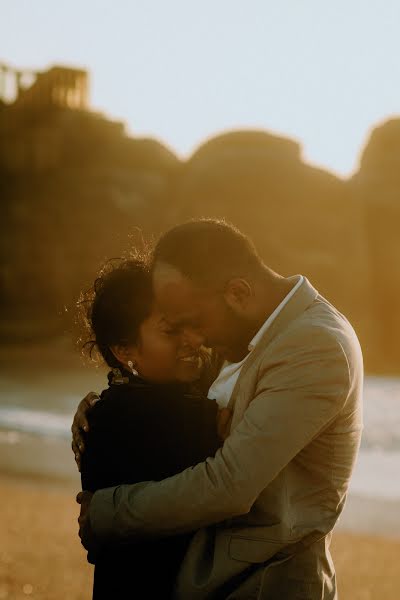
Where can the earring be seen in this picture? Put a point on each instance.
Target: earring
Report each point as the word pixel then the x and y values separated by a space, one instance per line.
pixel 130 365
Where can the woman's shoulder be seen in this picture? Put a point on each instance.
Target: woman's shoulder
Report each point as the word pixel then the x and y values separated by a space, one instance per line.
pixel 135 398
pixel 112 403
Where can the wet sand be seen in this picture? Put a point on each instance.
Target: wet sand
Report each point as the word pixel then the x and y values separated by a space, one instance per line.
pixel 40 555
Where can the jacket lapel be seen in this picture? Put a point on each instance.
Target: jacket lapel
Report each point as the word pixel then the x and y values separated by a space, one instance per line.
pixel 300 301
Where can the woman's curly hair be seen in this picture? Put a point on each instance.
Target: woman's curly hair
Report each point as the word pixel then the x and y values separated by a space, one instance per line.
pixel 111 312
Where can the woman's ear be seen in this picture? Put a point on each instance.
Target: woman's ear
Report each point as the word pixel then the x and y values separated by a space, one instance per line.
pixel 124 353
pixel 238 292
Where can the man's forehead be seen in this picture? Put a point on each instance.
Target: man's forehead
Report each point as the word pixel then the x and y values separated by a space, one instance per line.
pixel 164 273
pixel 176 294
pixel 172 288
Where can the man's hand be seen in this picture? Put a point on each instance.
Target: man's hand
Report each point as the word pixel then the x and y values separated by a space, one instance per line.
pixel 80 423
pixel 85 531
pixel 224 420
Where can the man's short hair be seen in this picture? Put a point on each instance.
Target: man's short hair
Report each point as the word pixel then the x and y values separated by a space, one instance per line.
pixel 208 251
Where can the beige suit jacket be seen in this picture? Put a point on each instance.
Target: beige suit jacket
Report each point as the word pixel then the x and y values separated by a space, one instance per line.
pixel 266 503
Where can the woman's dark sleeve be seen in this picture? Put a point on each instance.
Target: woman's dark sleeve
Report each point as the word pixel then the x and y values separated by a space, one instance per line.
pixel 98 470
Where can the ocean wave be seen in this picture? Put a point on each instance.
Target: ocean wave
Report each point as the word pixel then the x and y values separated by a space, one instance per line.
pixel 17 419
pixel 375 474
pixel 381 416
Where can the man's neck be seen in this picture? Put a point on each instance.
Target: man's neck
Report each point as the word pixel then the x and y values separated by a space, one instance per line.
pixel 270 290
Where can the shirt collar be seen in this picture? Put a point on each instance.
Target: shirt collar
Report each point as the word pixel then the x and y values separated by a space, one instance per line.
pixel 273 316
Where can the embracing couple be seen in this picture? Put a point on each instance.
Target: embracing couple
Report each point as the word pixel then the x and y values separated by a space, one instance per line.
pixel 217 462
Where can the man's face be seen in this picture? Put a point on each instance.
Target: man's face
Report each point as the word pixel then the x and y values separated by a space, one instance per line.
pixel 200 315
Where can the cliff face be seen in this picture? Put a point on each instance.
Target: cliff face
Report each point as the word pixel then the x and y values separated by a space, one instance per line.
pixel 377 186
pixel 75 190
pixel 302 219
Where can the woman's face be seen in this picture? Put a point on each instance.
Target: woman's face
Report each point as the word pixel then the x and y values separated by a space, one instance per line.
pixel 161 355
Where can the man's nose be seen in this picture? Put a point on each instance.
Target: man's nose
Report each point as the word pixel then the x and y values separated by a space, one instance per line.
pixel 194 338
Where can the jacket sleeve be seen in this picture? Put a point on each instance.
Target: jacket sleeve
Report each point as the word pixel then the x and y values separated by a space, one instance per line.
pixel 296 398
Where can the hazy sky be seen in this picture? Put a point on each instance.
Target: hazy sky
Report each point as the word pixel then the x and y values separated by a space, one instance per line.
pixel 323 72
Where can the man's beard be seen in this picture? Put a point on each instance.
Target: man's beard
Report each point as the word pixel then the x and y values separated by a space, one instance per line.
pixel 237 347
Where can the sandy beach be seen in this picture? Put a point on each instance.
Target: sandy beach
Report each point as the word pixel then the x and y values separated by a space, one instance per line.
pixel 41 557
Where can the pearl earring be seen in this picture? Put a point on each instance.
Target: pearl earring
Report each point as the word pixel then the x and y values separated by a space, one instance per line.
pixel 130 365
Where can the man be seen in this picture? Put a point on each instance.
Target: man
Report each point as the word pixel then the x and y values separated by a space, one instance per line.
pixel 266 504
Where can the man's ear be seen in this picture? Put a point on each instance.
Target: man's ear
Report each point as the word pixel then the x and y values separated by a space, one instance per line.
pixel 123 353
pixel 238 293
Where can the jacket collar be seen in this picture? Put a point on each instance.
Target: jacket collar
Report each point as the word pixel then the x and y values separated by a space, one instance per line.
pixel 298 303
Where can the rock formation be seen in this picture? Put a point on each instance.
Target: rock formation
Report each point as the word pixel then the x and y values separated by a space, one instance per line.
pixel 75 190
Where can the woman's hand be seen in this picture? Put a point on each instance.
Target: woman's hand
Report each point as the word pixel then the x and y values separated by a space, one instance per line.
pixel 224 420
pixel 80 424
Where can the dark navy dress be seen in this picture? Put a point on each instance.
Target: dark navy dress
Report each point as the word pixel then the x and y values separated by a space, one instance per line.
pixel 144 432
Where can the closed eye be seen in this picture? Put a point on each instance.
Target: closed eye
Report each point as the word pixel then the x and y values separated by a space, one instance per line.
pixel 171 331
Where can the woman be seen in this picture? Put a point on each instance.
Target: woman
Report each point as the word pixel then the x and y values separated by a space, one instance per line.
pixel 150 423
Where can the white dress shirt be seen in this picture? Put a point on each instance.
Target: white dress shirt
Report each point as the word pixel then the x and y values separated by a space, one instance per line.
pixel 222 388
